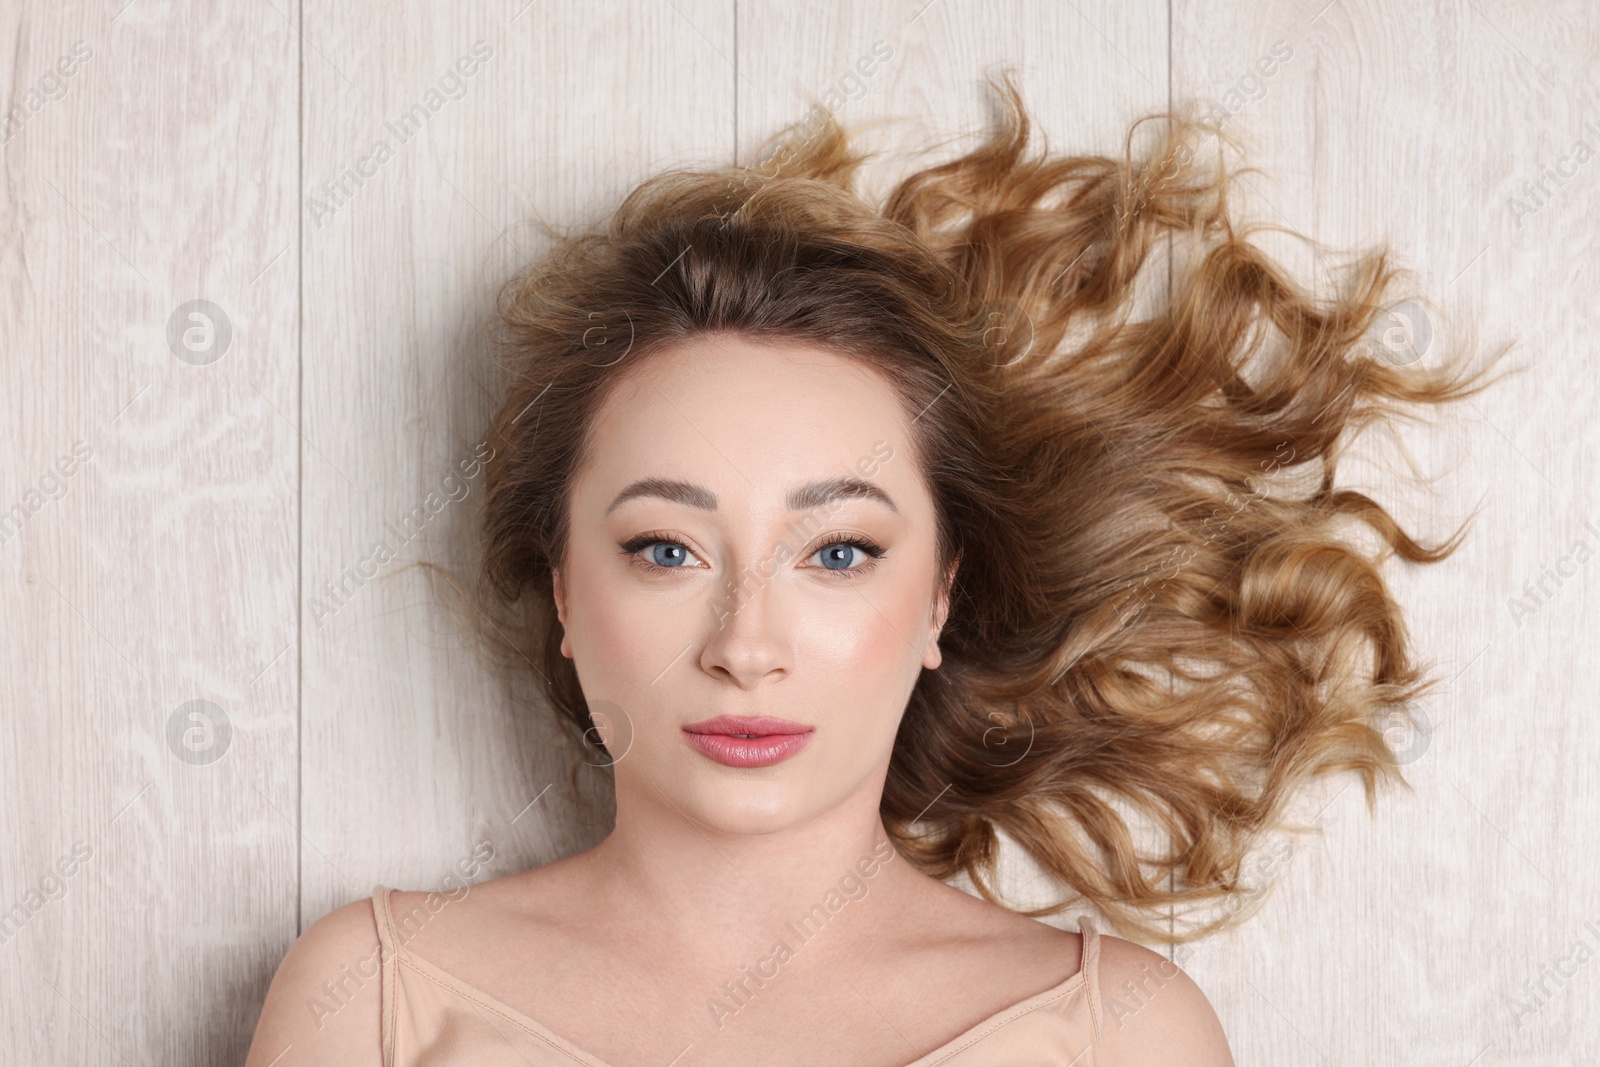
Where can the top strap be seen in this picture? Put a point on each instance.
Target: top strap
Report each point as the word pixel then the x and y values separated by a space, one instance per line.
pixel 388 981
pixel 388 933
pixel 1091 970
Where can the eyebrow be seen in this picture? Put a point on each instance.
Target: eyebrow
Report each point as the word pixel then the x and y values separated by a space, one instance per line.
pixel 811 495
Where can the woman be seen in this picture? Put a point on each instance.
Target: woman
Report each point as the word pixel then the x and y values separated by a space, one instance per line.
pixel 853 536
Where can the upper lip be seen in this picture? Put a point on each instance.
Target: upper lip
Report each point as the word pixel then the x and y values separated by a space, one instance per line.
pixel 757 725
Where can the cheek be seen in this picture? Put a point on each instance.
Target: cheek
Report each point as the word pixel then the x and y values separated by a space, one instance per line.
pixel 615 636
pixel 874 651
pixel 870 643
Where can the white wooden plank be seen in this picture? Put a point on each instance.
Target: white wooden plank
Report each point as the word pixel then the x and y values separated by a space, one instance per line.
pixel 1407 938
pixel 162 170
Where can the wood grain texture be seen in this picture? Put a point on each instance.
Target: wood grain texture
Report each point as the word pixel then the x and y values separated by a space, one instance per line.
pixel 161 171
pixel 1409 937
pixel 216 537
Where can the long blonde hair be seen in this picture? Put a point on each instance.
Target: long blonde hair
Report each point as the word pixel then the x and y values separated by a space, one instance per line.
pixel 1154 607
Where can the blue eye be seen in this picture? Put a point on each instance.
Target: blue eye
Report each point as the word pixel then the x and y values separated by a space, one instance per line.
pixel 838 557
pixel 668 554
pixel 664 553
pixel 846 556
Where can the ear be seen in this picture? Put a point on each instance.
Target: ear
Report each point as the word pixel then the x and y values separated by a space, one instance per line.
pixel 560 590
pixel 931 655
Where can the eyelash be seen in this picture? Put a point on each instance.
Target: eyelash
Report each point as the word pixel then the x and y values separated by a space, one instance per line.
pixel 874 552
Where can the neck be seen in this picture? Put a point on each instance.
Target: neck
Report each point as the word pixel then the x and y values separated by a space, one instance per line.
pixel 722 892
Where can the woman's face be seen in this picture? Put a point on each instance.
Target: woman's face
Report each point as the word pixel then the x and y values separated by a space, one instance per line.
pixel 724 560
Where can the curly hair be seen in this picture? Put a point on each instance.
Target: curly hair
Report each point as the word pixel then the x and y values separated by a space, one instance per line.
pixel 1154 611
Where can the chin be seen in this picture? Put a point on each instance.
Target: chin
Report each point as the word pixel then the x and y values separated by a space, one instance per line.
pixel 746 806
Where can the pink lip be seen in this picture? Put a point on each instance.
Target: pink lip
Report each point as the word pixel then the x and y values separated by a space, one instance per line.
pixel 760 725
pixel 773 740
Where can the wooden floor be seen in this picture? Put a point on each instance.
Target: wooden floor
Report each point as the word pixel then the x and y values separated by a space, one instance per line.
pixel 241 343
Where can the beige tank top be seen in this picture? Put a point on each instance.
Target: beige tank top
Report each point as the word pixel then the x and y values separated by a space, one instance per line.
pixel 430 1018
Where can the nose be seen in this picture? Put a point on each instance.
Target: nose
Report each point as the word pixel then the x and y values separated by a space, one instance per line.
pixel 748 632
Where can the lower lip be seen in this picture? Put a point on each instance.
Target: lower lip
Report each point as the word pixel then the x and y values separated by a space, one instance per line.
pixel 749 751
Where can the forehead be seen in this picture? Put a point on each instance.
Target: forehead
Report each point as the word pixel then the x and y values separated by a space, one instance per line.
pixel 750 419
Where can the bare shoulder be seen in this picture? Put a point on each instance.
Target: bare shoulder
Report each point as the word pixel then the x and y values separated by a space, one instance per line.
pixel 981 944
pixel 323 1004
pixel 1154 1012
pixel 464 923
